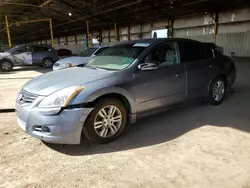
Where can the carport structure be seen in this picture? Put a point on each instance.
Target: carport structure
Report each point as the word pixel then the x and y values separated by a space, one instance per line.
pixel 117 20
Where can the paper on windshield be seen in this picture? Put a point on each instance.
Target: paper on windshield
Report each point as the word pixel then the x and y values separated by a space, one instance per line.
pixel 141 45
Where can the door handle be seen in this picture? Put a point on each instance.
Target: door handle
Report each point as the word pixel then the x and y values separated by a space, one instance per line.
pixel 178 75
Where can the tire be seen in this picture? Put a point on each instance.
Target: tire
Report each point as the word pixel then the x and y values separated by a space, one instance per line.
pixel 217 91
pixel 6 66
pixel 107 128
pixel 48 62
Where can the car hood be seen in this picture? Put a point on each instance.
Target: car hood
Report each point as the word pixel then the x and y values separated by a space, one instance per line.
pixel 74 60
pixel 51 82
pixel 4 54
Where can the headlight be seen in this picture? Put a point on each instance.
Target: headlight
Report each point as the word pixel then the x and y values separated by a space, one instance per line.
pixel 60 98
pixel 65 65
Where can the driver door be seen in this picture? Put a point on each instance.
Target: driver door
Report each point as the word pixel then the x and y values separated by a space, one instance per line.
pixel 163 85
pixel 23 55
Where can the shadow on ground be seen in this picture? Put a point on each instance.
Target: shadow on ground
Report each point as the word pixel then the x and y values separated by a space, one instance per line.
pixel 234 113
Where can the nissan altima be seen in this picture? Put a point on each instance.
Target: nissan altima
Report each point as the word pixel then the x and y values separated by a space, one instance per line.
pixel 120 85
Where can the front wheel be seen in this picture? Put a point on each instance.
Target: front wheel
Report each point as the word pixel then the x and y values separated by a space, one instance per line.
pixel 6 66
pixel 48 63
pixel 106 122
pixel 217 91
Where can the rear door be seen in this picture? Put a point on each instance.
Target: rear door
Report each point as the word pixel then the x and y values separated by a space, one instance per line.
pixel 41 52
pixel 199 63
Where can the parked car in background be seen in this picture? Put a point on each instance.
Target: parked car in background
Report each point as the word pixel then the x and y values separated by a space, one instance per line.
pixel 64 52
pixel 83 59
pixel 28 54
pixel 124 82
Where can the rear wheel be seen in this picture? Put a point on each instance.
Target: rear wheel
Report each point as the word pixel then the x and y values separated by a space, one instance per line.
pixel 6 66
pixel 48 62
pixel 106 122
pixel 217 91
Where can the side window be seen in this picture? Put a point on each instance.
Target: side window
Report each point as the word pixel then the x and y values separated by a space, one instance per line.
pixel 100 50
pixel 164 55
pixel 190 51
pixel 19 50
pixel 22 49
pixel 40 49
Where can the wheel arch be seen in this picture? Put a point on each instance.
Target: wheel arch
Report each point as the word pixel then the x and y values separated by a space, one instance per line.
pixel 119 93
pixel 220 75
pixel 6 59
pixel 47 57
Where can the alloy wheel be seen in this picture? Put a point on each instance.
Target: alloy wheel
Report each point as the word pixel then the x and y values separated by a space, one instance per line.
pixel 6 66
pixel 108 121
pixel 48 63
pixel 218 91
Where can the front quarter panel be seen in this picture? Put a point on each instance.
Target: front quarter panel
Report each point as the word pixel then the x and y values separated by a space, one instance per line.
pixel 111 85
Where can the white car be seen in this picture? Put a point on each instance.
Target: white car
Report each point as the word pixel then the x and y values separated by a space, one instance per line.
pixel 78 60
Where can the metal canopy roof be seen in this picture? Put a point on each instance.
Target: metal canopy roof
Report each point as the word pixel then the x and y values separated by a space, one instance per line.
pixel 101 14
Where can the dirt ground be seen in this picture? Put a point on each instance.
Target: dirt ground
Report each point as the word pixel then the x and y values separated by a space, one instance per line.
pixel 194 146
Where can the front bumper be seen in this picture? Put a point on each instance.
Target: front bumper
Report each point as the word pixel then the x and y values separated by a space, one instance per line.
pixel 65 128
pixel 55 68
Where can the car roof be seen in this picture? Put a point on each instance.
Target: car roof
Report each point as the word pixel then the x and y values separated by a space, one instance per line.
pixel 159 40
pixel 42 45
pixel 98 47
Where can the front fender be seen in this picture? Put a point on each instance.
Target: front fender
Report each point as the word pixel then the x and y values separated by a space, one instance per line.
pixel 114 90
pixel 88 96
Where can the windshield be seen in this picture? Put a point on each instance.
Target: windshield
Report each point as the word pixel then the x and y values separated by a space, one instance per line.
pixel 88 52
pixel 117 57
pixel 11 50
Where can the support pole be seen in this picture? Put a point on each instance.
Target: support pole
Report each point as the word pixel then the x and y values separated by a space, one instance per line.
pixel 129 32
pixel 215 25
pixel 88 35
pixel 8 30
pixel 51 32
pixel 116 33
pixel 170 28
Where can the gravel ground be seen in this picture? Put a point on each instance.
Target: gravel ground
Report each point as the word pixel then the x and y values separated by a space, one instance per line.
pixel 192 146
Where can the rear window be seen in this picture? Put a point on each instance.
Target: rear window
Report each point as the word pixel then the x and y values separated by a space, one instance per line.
pixel 191 51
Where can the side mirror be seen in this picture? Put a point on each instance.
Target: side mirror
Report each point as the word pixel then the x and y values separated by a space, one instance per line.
pixel 147 66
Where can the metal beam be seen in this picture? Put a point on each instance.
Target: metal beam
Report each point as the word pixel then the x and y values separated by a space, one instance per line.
pixel 45 3
pixel 82 18
pixel 79 11
pixel 19 4
pixel 32 21
pixel 8 30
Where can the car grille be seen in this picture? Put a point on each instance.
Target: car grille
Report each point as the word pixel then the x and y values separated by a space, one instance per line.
pixel 26 97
